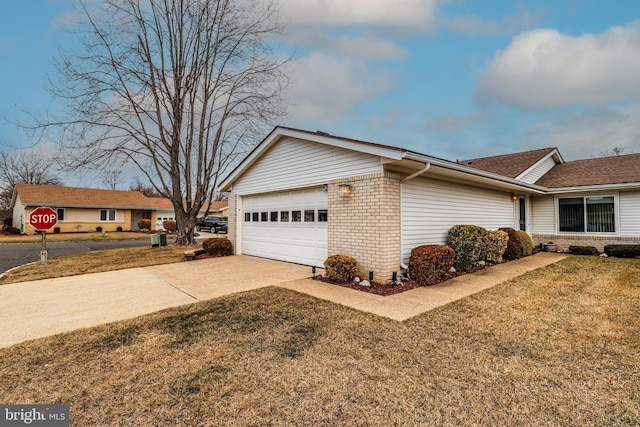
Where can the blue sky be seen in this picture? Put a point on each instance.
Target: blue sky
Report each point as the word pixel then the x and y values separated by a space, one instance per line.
pixel 451 78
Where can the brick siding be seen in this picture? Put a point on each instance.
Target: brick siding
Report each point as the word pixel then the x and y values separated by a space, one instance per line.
pixel 599 242
pixel 366 224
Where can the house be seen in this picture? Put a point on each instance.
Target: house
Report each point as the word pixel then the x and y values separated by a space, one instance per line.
pixel 300 196
pixel 84 209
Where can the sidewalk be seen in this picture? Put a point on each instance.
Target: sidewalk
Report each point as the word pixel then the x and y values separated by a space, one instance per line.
pixel 41 308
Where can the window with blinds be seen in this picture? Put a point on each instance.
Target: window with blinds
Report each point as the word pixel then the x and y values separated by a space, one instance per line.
pixel 587 214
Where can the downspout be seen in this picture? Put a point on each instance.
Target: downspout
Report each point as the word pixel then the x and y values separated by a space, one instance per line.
pixel 407 178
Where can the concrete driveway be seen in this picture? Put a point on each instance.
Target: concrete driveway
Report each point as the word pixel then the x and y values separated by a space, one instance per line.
pixel 41 308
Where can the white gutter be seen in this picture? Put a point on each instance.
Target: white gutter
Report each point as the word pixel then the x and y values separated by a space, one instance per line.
pixel 426 167
pixel 596 187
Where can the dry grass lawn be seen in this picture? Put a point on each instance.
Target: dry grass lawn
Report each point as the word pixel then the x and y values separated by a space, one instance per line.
pixel 95 262
pixel 559 347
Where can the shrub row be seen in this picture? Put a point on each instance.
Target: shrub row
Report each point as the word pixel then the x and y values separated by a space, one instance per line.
pixel 144 224
pixel 583 250
pixel 622 251
pixel 218 246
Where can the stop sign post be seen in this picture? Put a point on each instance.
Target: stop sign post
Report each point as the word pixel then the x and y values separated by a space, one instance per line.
pixel 42 219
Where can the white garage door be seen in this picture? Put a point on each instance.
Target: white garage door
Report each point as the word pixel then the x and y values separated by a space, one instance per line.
pixel 287 226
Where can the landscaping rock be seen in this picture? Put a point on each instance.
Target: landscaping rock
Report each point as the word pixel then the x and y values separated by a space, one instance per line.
pixel 365 283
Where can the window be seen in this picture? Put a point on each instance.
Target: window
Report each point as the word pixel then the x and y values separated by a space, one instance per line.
pixel 273 216
pixel 107 215
pixel 296 216
pixel 322 215
pixel 587 214
pixel 264 216
pixel 247 216
pixel 60 212
pixel 284 216
pixel 256 217
pixel 309 216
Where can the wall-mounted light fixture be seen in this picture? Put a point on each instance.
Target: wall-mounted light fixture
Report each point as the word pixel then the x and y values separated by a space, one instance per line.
pixel 344 190
pixel 514 197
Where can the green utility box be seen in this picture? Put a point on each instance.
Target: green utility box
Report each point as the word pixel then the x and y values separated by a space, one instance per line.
pixel 155 240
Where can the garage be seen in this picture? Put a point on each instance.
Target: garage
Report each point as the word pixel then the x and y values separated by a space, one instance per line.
pixel 287 226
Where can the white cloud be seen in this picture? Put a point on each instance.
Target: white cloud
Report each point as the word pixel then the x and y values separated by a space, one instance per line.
pixel 580 136
pixel 544 69
pixel 326 87
pixel 343 13
pixel 364 46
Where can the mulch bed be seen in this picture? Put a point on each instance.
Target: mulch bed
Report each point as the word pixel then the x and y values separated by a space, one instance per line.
pixel 384 290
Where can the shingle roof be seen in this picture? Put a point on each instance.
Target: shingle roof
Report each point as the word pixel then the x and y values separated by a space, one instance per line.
pixel 510 165
pixel 54 195
pixel 600 171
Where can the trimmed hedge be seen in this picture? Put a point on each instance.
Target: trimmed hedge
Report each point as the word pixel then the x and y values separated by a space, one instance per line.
pixel 514 246
pixel 341 268
pixel 583 250
pixel 144 224
pixel 622 251
pixel 495 245
pixel 527 243
pixel 468 242
pixel 218 246
pixel 169 225
pixel 430 264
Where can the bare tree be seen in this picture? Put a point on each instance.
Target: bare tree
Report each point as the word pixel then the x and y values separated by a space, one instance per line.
pixel 615 151
pixel 147 190
pixel 23 168
pixel 110 178
pixel 180 88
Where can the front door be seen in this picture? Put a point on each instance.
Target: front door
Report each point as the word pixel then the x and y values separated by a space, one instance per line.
pixel 522 209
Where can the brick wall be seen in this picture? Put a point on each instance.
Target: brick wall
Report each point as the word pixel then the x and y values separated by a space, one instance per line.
pixel 366 224
pixel 599 242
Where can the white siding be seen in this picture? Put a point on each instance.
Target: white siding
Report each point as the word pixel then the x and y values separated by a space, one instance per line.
pixel 296 163
pixel 18 215
pixel 536 173
pixel 543 215
pixel 430 207
pixel 630 214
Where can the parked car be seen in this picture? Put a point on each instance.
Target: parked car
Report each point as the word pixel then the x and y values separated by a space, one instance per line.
pixel 215 223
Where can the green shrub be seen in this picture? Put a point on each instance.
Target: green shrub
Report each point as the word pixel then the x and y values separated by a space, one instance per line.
pixel 527 243
pixel 169 225
pixel 218 246
pixel 583 250
pixel 144 224
pixel 514 246
pixel 430 264
pixel 495 245
pixel 468 242
pixel 622 251
pixel 341 268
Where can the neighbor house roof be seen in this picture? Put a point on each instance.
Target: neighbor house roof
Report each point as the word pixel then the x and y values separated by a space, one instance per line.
pixel 600 171
pixel 54 195
pixel 511 165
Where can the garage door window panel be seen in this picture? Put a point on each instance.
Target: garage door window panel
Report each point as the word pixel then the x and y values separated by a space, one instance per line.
pixel 309 216
pixel 296 216
pixel 274 216
pixel 284 216
pixel 255 216
pixel 322 215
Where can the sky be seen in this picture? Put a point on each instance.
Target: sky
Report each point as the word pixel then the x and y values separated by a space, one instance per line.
pixel 455 79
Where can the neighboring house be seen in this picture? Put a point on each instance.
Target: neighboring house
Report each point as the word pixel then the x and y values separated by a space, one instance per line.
pixel 84 209
pixel 300 196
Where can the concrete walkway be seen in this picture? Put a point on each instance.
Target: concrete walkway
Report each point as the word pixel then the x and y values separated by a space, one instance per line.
pixel 41 308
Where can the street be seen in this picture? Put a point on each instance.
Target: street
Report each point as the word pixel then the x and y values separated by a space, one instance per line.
pixel 16 254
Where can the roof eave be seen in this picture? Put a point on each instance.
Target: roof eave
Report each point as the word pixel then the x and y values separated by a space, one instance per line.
pixel 595 187
pixel 475 172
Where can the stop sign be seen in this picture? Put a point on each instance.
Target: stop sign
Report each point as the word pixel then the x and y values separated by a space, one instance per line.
pixel 43 218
